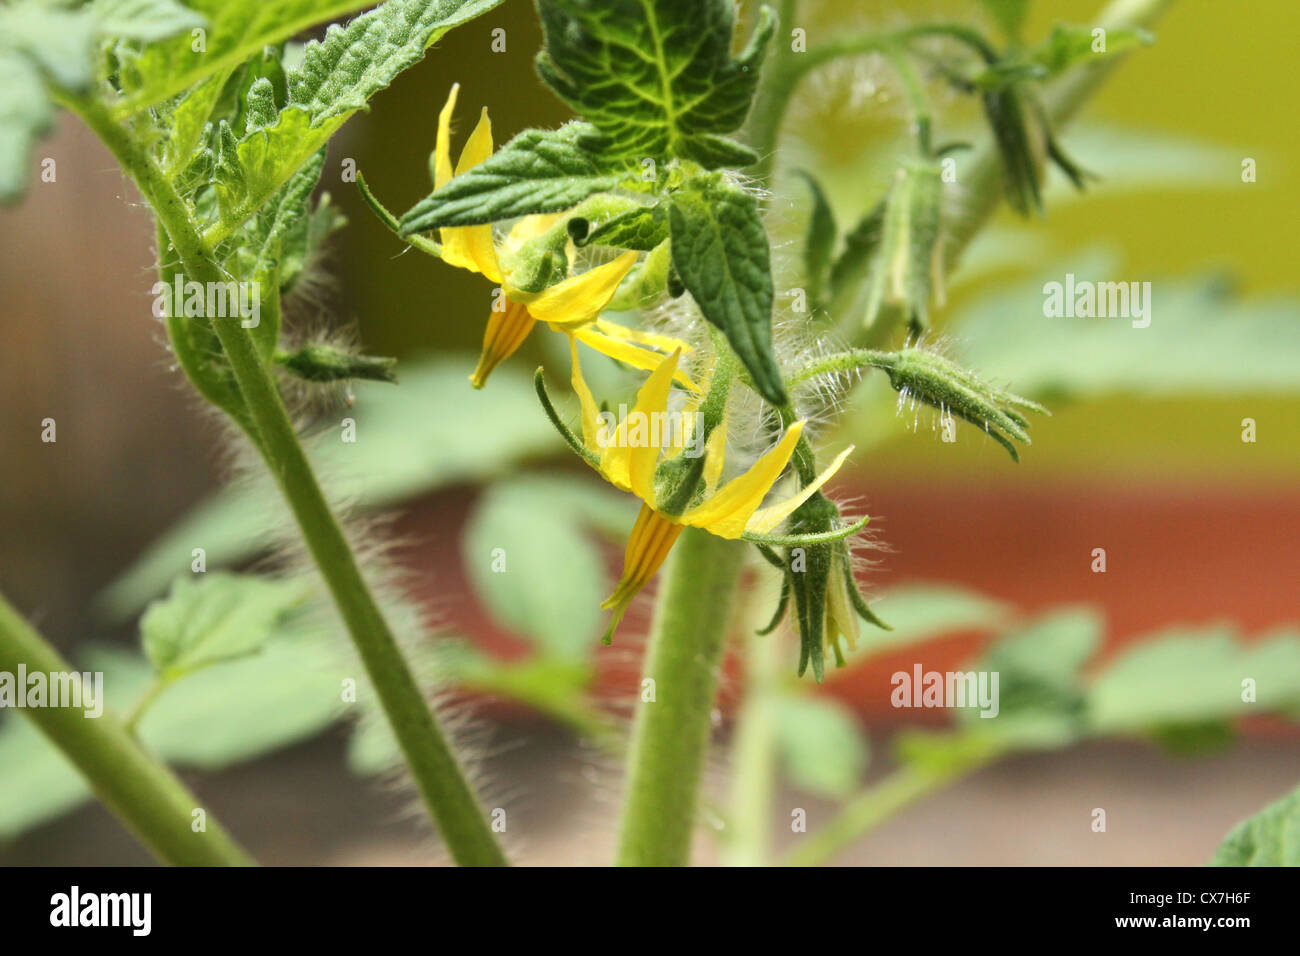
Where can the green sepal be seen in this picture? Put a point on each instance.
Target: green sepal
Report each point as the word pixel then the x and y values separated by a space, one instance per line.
pixel 327 363
pixel 567 433
pixel 800 539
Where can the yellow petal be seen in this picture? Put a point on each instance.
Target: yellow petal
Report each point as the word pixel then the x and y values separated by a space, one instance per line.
pixel 715 453
pixel 765 519
pixel 470 247
pixel 577 301
pixel 590 413
pixel 442 142
pixel 726 513
pixel 651 401
pixel 478 147
pixel 505 332
pixel 530 227
pixel 465 247
pixel 652 537
pixel 637 357
pixel 664 343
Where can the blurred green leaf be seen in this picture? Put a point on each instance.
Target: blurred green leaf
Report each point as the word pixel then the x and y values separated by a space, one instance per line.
pixel 431 430
pixel 534 567
pixel 1188 677
pixel 824 750
pixel 1040 694
pixel 222 715
pixel 1069 44
pixel 241 709
pixel 1269 838
pixel 1009 15
pixel 819 240
pixel 210 618
pixel 37 783
pixel 919 612
pixel 1201 340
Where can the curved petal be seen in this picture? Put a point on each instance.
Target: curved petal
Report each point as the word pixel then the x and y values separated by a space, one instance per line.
pixel 726 513
pixel 652 537
pixel 442 142
pixel 465 247
pixel 765 519
pixel 504 334
pixel 634 355
pixel 664 343
pixel 578 300
pixel 478 147
pixel 650 408
pixel 590 414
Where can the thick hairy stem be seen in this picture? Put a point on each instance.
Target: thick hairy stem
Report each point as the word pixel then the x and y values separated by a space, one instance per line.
pixel 433 764
pixel 670 737
pixel 142 792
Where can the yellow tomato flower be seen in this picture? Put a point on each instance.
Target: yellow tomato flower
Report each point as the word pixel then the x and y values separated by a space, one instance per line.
pixel 627 460
pixel 571 306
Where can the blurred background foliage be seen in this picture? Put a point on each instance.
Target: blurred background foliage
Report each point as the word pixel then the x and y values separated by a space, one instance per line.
pixel 1154 412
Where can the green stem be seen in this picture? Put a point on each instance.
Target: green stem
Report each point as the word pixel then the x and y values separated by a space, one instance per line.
pixel 670 736
pixel 874 805
pixel 753 781
pixel 143 793
pixel 433 764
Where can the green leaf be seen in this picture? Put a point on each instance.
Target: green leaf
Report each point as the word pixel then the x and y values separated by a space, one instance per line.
pixel 534 568
pixel 233 31
pixel 41 40
pixel 25 116
pixel 335 79
pixel 146 20
pixel 642 228
pixel 37 783
pixel 537 171
pixel 1269 838
pixel 59 40
pixel 824 749
pixel 655 76
pixel 1009 15
pixel 920 612
pixel 1188 678
pixel 244 708
pixel 720 251
pixel 1040 695
pixel 1068 45
pixel 1201 340
pixel 424 434
pixel 287 693
pixel 214 617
